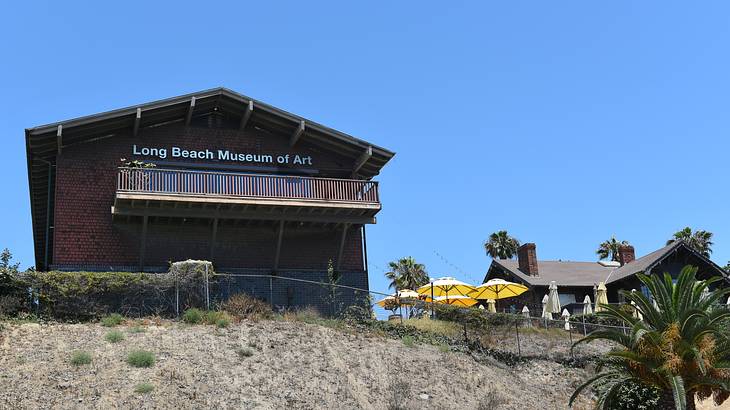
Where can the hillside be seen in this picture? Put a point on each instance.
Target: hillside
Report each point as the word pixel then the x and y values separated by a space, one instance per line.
pixel 264 364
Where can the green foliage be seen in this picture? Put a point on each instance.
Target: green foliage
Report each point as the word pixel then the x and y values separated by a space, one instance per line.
pixel 609 248
pixel 193 316
pixel 219 318
pixel 137 329
pixel 699 240
pixel 633 396
pixel 80 357
pixel 679 347
pixel 244 352
pixel 595 319
pixel 112 320
pixel 331 290
pixel 140 358
pixel 144 388
pixel 245 306
pixel 408 341
pixel 114 336
pixel 406 273
pixel 476 318
pixel 501 245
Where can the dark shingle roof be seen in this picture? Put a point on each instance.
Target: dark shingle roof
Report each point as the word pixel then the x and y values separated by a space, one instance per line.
pixel 564 273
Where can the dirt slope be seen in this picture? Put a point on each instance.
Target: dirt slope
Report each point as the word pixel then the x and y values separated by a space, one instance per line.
pixel 294 365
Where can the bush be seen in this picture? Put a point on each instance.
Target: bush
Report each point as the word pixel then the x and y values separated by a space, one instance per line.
pixel 244 306
pixel 594 319
pixel 143 388
pixel 218 318
pixel 477 318
pixel 408 341
pixel 244 352
pixel 112 320
pixel 80 357
pixel 10 305
pixel 193 316
pixel 635 396
pixel 140 358
pixel 114 336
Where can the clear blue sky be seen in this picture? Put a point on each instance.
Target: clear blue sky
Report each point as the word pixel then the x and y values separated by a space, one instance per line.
pixel 562 122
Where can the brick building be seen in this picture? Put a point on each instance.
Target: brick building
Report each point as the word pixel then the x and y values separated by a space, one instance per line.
pixel 248 186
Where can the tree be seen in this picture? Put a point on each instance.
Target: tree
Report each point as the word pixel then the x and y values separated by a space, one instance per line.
pixel 699 240
pixel 679 347
pixel 7 268
pixel 609 248
pixel 727 267
pixel 501 245
pixel 406 273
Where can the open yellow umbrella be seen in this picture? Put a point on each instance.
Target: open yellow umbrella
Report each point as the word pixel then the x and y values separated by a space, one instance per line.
pixel 405 297
pixel 457 300
pixel 446 286
pixel 498 289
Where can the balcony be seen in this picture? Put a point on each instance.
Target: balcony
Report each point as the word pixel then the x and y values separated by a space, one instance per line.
pixel 223 195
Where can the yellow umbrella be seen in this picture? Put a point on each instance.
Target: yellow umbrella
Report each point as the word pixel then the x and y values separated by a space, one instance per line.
pixel 601 297
pixel 446 287
pixel 498 289
pixel 457 300
pixel 405 296
pixel 491 306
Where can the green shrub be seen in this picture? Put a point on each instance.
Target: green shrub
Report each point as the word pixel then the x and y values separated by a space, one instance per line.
pixel 633 395
pixel 244 352
pixel 80 357
pixel 137 329
pixel 244 306
pixel 193 316
pixel 223 322
pixel 140 358
pixel 112 320
pixel 114 336
pixel 143 388
pixel 218 318
pixel 408 341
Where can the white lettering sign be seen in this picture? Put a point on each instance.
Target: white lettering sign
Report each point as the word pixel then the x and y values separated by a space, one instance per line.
pixel 221 155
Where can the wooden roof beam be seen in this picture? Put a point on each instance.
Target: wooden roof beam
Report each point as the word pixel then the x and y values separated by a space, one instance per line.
pixel 59 138
pixel 297 134
pixel 247 115
pixel 137 120
pixel 362 160
pixel 189 116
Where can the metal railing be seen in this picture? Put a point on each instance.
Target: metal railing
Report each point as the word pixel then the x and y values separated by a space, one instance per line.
pixel 205 183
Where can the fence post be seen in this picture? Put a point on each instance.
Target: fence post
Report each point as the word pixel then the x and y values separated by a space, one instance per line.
pixel 177 295
pixel 519 349
pixel 570 333
pixel 584 326
pixel 207 289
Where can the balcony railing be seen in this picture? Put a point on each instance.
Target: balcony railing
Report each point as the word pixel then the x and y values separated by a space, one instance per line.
pixel 223 184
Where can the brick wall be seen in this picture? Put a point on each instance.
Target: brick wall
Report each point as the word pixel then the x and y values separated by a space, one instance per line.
pixel 86 237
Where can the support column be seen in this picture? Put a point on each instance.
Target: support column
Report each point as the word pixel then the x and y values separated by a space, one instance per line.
pixel 213 237
pixel 278 246
pixel 143 242
pixel 342 246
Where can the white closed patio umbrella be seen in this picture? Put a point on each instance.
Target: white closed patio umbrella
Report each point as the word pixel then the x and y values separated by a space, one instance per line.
pixel 601 296
pixel 491 306
pixel 545 312
pixel 566 317
pixel 587 306
pixel 553 303
pixel 634 311
pixel 526 315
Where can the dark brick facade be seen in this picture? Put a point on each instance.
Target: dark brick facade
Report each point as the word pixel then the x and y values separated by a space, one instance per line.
pixel 86 237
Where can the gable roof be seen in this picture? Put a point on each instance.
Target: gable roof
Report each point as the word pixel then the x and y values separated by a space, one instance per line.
pixel 565 273
pixel 43 143
pixel 588 273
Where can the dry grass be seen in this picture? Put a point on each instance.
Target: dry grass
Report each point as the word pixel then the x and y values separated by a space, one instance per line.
pixel 442 327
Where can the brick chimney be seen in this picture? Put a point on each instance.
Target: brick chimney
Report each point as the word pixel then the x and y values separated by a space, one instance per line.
pixel 527 259
pixel 626 254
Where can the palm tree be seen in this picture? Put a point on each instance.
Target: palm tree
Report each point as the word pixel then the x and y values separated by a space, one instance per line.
pixel 406 273
pixel 699 240
pixel 501 245
pixel 678 347
pixel 609 248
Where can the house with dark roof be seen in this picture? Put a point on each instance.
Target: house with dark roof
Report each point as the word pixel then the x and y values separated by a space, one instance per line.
pixel 575 280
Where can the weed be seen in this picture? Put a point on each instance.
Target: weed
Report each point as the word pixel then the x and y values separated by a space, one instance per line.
pixel 112 320
pixel 444 348
pixel 398 395
pixel 244 352
pixel 137 329
pixel 408 341
pixel 80 357
pixel 218 318
pixel 247 307
pixel 114 336
pixel 491 400
pixel 140 358
pixel 143 388
pixel 192 316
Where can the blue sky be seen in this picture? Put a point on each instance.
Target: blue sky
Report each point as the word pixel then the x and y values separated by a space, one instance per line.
pixel 562 122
